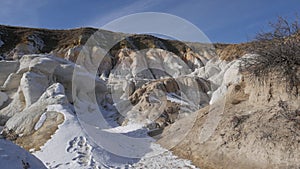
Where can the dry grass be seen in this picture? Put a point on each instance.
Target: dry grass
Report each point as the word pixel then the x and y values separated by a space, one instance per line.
pixel 229 52
pixel 278 52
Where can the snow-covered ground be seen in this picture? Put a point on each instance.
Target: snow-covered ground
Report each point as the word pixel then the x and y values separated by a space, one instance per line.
pixel 71 147
pixel 14 157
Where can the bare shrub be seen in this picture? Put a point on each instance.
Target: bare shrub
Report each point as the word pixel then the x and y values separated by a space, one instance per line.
pixel 278 53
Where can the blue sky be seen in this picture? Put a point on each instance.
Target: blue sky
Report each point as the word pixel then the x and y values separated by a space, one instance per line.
pixel 230 21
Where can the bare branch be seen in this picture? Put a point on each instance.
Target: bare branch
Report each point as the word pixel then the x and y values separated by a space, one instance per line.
pixel 278 52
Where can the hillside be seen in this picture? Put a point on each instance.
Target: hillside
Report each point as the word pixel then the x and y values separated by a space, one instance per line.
pixel 88 98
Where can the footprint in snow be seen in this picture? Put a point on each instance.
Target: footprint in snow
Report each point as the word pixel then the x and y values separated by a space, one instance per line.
pixel 83 151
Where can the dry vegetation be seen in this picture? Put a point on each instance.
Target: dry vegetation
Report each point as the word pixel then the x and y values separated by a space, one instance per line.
pixel 278 53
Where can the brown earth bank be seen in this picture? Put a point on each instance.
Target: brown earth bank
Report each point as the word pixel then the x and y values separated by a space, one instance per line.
pixel 37 139
pixel 259 127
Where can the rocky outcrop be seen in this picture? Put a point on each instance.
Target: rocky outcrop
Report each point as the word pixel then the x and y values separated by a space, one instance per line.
pixel 160 103
pixel 3 98
pixel 255 126
pixel 32 44
pixel 6 69
pixel 38 82
pixel 30 82
pixel 23 123
pixel 194 103
pixel 152 87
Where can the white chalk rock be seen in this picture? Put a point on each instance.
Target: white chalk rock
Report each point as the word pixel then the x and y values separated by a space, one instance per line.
pixel 6 68
pixel 23 123
pixel 3 98
pixel 33 85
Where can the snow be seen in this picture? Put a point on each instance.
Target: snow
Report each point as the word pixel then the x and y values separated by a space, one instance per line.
pixel 158 157
pixel 164 159
pixel 59 151
pixel 14 157
pixel 71 147
pixel 124 129
pixel 40 122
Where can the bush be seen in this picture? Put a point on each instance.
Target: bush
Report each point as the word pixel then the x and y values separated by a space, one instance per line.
pixel 278 53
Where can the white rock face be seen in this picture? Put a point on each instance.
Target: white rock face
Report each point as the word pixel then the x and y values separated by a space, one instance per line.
pixel 6 68
pixel 73 52
pixel 25 62
pixel 149 64
pixel 3 98
pixel 16 106
pixel 38 83
pixel 33 85
pixel 63 74
pixel 151 75
pixel 43 65
pixel 221 74
pixel 12 82
pixel 232 74
pixel 23 123
pixel 37 78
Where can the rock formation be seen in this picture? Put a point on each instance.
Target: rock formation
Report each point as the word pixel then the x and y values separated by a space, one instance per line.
pixel 191 97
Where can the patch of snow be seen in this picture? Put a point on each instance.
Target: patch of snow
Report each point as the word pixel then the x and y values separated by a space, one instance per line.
pixel 41 121
pixel 70 147
pixel 14 157
pixel 59 151
pixel 163 159
pixel 125 129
